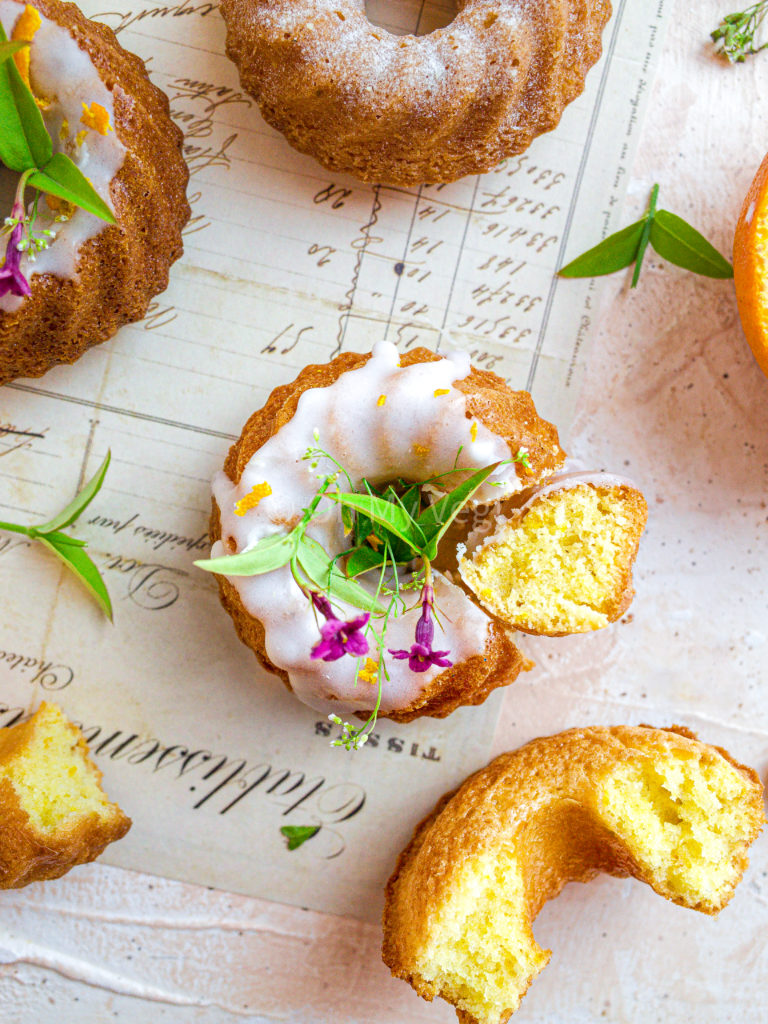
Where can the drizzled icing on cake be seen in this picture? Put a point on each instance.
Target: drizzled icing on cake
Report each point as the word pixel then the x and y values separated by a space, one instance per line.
pixel 381 422
pixel 64 74
pixel 577 478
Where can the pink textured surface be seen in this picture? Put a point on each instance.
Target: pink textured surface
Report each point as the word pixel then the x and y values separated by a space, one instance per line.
pixel 674 392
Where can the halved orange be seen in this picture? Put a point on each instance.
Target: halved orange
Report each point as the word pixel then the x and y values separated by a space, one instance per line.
pixel 750 266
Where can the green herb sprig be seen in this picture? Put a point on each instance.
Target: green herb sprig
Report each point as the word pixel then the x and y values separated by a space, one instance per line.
pixel 736 35
pixel 672 238
pixel 297 835
pixel 25 144
pixel 388 529
pixel 70 550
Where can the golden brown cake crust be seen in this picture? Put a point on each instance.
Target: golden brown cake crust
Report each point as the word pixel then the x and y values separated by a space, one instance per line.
pixel 409 110
pixel 510 414
pixel 126 264
pixel 541 798
pixel 29 855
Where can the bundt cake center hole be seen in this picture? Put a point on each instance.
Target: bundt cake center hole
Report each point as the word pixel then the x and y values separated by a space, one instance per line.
pixel 414 17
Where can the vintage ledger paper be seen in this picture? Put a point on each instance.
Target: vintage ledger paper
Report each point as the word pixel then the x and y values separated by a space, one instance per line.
pixel 285 264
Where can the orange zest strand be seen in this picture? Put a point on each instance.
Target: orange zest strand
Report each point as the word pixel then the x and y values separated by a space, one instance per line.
pixel 27 24
pixel 252 499
pixel 96 117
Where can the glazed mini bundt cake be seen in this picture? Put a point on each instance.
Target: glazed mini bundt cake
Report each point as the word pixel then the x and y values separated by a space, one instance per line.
pixel 652 803
pixel 53 812
pixel 407 110
pixel 352 615
pixel 562 563
pixel 380 417
pixel 101 110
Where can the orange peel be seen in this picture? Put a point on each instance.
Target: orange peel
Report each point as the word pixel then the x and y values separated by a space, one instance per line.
pixel 750 266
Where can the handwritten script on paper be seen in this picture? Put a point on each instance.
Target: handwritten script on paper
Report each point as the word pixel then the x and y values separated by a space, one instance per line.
pixel 284 264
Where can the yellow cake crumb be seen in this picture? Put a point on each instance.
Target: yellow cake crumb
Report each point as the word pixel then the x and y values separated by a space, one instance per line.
pixel 562 565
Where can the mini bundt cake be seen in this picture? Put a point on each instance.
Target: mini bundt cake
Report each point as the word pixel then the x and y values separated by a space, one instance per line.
pixel 562 563
pixel 298 557
pixel 652 803
pixel 406 110
pixel 53 812
pixel 382 418
pixel 101 110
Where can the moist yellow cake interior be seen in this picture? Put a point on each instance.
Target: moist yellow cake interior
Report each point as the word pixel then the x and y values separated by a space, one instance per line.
pixel 482 955
pixel 557 567
pixel 685 818
pixel 47 768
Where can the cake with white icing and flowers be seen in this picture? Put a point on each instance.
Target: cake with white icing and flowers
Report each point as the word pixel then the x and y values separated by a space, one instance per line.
pixel 71 276
pixel 343 511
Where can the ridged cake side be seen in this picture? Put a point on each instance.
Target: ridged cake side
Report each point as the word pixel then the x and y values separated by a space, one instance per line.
pixel 123 267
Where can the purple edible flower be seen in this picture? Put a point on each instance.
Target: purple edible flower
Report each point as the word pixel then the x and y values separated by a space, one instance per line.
pixel 11 278
pixel 421 657
pixel 338 637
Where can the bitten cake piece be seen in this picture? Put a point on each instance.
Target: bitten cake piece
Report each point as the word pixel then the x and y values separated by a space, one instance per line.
pixel 562 563
pixel 652 803
pixel 53 812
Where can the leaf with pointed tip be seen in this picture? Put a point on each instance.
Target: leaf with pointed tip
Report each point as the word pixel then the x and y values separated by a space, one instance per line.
pixel 363 560
pixel 266 555
pixel 81 500
pixel 298 834
pixel 7 49
pixel 60 538
pixel 321 572
pixel 63 178
pixel 614 253
pixel 392 517
pixel 436 519
pixel 676 241
pixel 75 559
pixel 24 139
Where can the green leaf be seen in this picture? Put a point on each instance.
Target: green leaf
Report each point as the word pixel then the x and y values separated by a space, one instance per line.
pixel 265 556
pixel 80 564
pixel 679 243
pixel 61 177
pixel 646 236
pixel 393 517
pixel 614 253
pixel 58 538
pixel 24 139
pixel 321 572
pixel 363 560
pixel 7 49
pixel 436 519
pixel 80 502
pixel 298 834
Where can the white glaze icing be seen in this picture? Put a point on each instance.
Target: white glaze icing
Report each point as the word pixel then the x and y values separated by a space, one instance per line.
pixel 64 73
pixel 577 478
pixel 377 442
